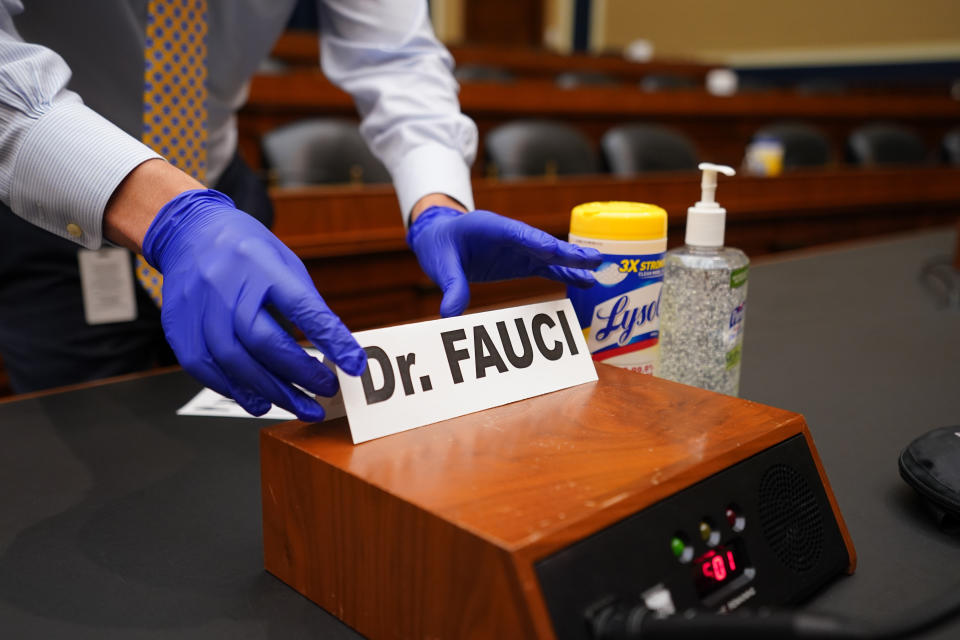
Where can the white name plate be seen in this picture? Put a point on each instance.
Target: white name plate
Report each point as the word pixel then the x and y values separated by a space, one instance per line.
pixel 425 372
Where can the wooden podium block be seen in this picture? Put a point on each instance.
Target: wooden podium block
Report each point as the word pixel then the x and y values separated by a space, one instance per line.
pixel 449 531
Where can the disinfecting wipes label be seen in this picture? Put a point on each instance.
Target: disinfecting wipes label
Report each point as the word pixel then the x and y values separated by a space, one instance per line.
pixel 629 321
pixel 620 315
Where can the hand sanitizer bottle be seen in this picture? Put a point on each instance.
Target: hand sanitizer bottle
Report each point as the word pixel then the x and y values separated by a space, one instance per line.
pixel 704 299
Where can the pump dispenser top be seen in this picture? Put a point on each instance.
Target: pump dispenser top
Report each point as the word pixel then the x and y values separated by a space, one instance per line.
pixel 706 219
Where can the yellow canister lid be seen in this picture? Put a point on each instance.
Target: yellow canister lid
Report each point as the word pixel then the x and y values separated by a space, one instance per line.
pixel 618 221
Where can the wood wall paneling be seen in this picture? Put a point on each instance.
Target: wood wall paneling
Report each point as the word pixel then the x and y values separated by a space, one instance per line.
pixel 504 22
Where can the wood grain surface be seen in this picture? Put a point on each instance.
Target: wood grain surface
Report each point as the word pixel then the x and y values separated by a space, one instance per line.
pixel 433 532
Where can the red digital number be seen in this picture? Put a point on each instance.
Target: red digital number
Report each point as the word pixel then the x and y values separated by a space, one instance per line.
pixel 719 568
pixel 715 568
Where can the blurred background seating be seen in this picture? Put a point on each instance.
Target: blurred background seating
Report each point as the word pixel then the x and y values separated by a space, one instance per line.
pixel 803 145
pixel 631 149
pixel 669 82
pixel 482 73
pixel 524 148
pixel 950 147
pixel 320 151
pixel 575 79
pixel 885 143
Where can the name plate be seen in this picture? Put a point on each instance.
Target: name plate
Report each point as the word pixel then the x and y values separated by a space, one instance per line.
pixel 425 372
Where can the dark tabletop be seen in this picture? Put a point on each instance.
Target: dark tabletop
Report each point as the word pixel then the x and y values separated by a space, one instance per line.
pixel 120 519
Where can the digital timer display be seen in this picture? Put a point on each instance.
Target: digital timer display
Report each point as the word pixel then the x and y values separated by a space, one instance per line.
pixel 719 567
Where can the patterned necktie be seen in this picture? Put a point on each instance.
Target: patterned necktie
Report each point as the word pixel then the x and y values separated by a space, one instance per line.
pixel 175 97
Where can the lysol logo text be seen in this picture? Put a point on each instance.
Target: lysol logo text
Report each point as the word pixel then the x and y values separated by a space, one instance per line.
pixel 620 319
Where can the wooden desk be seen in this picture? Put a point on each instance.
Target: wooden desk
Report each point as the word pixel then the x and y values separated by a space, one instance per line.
pixel 354 243
pixel 721 127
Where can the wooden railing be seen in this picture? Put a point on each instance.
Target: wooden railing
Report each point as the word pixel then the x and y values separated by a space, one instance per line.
pixel 353 241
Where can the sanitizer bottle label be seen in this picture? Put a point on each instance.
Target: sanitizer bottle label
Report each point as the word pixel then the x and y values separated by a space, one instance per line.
pixel 621 312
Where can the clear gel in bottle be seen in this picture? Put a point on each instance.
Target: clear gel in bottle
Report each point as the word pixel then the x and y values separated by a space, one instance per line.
pixel 704 299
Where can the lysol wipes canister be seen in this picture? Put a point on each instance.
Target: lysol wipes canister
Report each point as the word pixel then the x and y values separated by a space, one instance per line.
pixel 620 315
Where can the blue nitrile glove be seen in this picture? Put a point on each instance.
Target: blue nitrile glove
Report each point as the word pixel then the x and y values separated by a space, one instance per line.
pixel 480 246
pixel 221 268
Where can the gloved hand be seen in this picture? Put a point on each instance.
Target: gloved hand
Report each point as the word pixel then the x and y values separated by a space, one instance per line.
pixel 480 246
pixel 221 269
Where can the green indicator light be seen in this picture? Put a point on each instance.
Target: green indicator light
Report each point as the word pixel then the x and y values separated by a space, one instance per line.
pixel 677 546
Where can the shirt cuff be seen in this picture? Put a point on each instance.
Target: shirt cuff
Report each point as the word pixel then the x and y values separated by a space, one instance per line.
pixel 67 167
pixel 428 169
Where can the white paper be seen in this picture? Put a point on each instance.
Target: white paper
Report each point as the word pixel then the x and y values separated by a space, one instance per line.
pixel 210 403
pixel 106 282
pixel 427 358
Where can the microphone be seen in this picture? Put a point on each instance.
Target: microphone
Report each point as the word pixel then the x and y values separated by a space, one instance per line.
pixel 624 621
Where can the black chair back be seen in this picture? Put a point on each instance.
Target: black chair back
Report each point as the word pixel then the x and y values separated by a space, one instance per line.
pixel 575 79
pixel 669 82
pixel 320 151
pixel 803 145
pixel 639 148
pixel 482 73
pixel 886 144
pixel 524 148
pixel 950 146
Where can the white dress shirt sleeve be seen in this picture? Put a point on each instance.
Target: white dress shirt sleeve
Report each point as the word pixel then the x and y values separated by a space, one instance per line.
pixel 59 161
pixel 384 53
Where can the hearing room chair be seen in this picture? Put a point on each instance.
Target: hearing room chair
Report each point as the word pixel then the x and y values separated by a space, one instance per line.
pixel 803 144
pixel 578 79
pixel 950 147
pixel 882 143
pixel 524 148
pixel 630 149
pixel 320 151
pixel 669 82
pixel 483 73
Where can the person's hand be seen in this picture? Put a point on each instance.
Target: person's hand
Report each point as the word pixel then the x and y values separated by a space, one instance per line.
pixel 480 246
pixel 221 270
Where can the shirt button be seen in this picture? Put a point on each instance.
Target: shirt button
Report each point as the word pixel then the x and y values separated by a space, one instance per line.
pixel 74 230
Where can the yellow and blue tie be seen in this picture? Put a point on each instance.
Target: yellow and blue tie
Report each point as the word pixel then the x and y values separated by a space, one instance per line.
pixel 175 97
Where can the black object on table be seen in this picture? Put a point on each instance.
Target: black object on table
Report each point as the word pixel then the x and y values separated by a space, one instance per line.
pixel 120 519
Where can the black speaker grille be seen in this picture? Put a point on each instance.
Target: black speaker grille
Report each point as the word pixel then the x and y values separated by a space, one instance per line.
pixel 791 518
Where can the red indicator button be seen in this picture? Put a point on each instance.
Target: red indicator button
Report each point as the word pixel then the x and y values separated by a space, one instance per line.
pixel 736 521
